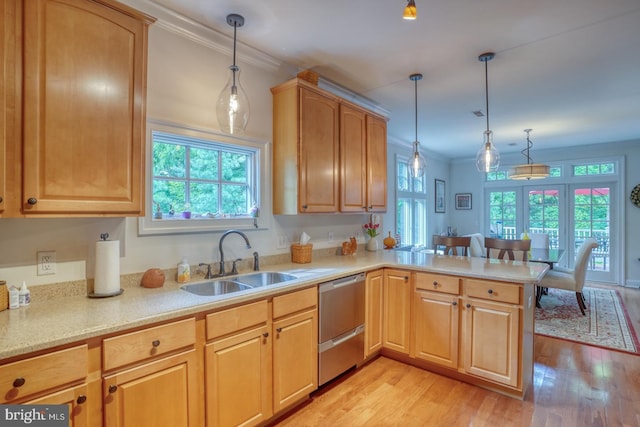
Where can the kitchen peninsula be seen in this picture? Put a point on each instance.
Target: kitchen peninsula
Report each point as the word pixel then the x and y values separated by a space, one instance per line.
pixel 486 305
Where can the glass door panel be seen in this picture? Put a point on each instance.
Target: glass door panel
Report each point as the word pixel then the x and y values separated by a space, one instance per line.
pixel 592 208
pixel 544 213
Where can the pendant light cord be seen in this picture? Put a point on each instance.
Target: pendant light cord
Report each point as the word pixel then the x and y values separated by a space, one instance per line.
pixel 486 90
pixel 416 104
pixel 234 67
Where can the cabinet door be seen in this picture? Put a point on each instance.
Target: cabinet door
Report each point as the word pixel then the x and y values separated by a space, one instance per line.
pixel 238 378
pixel 491 340
pixel 376 164
pixel 295 358
pixel 397 310
pixel 436 328
pixel 373 312
pixel 353 160
pixel 78 400
pixel 84 96
pixel 319 152
pixel 166 392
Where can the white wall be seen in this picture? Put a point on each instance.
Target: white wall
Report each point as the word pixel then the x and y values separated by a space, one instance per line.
pixel 465 179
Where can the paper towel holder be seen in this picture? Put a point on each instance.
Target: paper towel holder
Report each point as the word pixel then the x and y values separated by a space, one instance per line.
pixel 104 237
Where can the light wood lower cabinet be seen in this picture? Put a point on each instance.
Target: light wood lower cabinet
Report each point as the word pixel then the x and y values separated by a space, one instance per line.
pixel 373 312
pixel 397 290
pixel 261 358
pixel 77 400
pixel 476 330
pixel 152 377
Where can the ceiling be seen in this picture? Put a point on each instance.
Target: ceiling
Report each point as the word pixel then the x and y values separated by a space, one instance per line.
pixel 569 69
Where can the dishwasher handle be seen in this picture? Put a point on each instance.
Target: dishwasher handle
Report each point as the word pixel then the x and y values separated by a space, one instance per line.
pixel 338 283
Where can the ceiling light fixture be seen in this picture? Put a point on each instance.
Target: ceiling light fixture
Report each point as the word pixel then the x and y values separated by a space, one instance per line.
pixel 417 163
pixel 488 157
pixel 232 107
pixel 530 170
pixel 410 12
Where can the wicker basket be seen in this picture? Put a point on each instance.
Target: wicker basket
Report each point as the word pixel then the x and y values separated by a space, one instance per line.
pixel 4 295
pixel 301 254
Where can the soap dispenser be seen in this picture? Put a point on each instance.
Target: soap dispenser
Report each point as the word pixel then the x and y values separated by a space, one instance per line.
pixel 184 271
pixel 24 295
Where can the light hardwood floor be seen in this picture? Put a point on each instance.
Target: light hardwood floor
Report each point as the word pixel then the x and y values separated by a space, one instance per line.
pixel 574 385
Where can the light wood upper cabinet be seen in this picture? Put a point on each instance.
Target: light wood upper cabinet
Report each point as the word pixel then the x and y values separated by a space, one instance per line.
pixel 329 154
pixel 305 150
pixel 84 108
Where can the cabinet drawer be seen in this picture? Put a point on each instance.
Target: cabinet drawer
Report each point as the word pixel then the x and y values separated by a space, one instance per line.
pixel 295 301
pixel 140 345
pixel 36 374
pixel 438 283
pixel 236 319
pixel 493 291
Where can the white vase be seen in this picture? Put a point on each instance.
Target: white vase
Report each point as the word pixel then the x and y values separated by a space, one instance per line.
pixel 372 244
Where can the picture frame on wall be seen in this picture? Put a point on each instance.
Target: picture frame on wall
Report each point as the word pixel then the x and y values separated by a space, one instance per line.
pixel 463 201
pixel 440 204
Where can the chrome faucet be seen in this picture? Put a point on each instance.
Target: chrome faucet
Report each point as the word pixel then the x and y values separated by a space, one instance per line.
pixel 224 235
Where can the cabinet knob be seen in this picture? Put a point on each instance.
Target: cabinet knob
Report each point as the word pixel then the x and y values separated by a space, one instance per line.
pixel 0 199
pixel 81 399
pixel 454 303
pixel 113 388
pixel 32 201
pixel 490 291
pixel 468 305
pixel 278 330
pixel 406 278
pixel 304 206
pixel 435 284
pixel 155 343
pixel 266 334
pixel 19 382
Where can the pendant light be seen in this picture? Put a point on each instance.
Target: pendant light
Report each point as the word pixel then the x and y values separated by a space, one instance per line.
pixel 530 170
pixel 410 12
pixel 488 157
pixel 232 107
pixel 416 163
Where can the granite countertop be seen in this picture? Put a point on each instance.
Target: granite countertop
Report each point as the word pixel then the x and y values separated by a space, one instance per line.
pixel 53 322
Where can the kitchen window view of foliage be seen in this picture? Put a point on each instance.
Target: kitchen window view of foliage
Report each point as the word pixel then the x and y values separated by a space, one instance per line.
pixel 200 179
pixel 411 209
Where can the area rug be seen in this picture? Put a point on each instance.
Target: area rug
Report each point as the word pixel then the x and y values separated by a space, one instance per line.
pixel 606 323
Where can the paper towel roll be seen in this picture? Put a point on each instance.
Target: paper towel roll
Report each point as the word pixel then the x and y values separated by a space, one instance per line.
pixel 107 275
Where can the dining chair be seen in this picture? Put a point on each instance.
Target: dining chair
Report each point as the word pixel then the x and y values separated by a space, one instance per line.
pixel 538 240
pixel 451 244
pixel 505 247
pixel 476 249
pixel 572 280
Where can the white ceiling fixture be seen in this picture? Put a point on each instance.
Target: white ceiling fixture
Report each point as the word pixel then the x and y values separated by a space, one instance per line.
pixel 417 164
pixel 232 107
pixel 410 12
pixel 530 170
pixel 488 157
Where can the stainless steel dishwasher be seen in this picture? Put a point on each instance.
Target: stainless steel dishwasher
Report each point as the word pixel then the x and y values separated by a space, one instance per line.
pixel 341 334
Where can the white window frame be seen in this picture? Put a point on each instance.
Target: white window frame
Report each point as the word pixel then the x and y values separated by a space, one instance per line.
pixel 412 196
pixel 146 224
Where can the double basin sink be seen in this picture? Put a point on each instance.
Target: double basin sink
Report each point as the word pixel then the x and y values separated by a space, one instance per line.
pixel 239 283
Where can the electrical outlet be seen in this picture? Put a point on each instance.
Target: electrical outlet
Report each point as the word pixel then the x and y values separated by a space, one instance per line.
pixel 282 242
pixel 46 263
pixel 330 236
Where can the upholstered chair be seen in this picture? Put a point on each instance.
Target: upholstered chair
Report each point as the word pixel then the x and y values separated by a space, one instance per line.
pixel 572 280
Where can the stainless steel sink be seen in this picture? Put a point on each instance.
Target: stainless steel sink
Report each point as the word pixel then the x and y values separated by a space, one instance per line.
pixel 237 283
pixel 215 287
pixel 264 278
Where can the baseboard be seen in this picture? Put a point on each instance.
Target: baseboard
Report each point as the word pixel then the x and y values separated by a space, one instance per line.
pixel 633 283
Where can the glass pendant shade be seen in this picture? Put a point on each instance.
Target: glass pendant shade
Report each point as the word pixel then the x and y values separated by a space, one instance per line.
pixel 417 164
pixel 232 107
pixel 488 157
pixel 410 11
